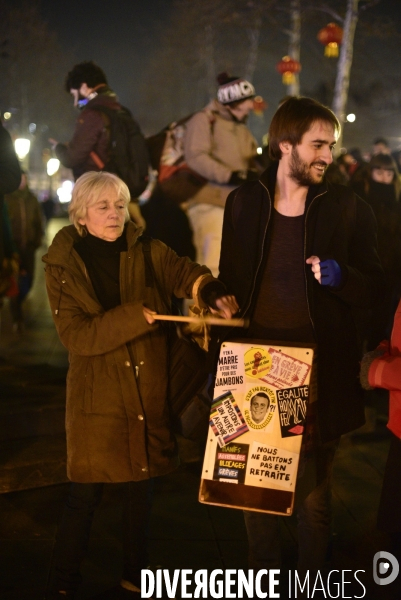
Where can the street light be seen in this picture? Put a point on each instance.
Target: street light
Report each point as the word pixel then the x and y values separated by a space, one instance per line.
pixel 351 118
pixel 22 146
pixel 53 165
pixel 65 191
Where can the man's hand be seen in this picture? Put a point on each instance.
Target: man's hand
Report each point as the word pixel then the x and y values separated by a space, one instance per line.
pixel 327 272
pixel 315 262
pixel 227 306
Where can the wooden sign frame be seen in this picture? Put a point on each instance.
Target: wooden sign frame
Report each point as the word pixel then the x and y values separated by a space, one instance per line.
pixel 256 424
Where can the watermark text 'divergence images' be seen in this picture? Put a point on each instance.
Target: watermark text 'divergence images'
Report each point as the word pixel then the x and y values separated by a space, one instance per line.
pixel 237 583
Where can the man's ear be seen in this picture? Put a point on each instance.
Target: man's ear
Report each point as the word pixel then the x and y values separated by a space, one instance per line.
pixel 285 147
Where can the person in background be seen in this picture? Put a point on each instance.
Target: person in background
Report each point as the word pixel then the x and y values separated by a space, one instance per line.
pixel 381 188
pixel 219 146
pixel 87 84
pixel 357 168
pixel 168 222
pixel 346 162
pixel 336 172
pixel 381 368
pixel 381 146
pixel 10 177
pixel 27 231
pixel 48 208
pixel 117 415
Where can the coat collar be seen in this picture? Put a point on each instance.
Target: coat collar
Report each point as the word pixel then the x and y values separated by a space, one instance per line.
pixel 62 253
pixel 217 108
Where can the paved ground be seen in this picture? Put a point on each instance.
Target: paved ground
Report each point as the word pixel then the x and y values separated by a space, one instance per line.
pixel 184 533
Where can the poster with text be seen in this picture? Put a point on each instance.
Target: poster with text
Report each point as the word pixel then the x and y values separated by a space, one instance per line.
pixel 256 424
pixel 230 463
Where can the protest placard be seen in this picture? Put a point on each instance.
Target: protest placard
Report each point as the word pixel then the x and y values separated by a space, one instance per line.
pixel 256 424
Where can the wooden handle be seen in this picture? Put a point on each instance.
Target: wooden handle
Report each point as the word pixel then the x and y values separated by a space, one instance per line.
pixel 205 320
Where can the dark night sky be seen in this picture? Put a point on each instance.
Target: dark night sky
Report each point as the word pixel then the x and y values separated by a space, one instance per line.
pixel 119 35
pixel 116 34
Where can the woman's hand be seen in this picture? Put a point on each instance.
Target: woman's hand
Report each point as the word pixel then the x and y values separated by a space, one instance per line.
pixel 148 314
pixel 227 306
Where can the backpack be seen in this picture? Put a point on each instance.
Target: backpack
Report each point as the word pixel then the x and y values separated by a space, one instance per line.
pixel 176 180
pixel 128 155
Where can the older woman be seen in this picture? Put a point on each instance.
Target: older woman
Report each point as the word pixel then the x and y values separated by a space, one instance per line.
pixel 117 417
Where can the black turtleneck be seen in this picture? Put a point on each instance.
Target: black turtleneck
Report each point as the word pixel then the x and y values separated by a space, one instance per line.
pixel 102 261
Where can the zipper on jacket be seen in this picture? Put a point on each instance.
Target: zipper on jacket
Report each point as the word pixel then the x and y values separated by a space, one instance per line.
pixel 306 279
pixel 257 270
pixel 261 256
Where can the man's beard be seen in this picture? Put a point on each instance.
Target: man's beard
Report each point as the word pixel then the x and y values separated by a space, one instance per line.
pixel 301 172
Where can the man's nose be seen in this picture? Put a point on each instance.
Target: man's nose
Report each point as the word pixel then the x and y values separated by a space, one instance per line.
pixel 327 155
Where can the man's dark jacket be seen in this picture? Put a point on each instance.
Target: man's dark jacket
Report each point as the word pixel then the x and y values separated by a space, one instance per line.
pixel 338 225
pixel 91 134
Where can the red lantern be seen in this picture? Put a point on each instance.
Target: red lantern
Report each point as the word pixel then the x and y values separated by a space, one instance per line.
pixel 330 36
pixel 259 105
pixel 288 67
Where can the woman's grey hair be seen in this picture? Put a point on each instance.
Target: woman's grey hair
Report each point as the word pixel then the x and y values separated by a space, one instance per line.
pixel 86 191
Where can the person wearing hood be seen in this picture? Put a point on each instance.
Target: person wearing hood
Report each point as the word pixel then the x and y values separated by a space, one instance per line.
pixel 219 146
pixel 117 415
pixel 381 188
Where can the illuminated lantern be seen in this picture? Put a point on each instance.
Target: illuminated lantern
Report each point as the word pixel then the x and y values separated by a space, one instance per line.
pixel 259 105
pixel 330 36
pixel 288 67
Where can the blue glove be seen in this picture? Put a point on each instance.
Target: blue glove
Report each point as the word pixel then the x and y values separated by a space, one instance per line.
pixel 330 273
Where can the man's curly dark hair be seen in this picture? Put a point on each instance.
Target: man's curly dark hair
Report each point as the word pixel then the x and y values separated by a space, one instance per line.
pixel 86 72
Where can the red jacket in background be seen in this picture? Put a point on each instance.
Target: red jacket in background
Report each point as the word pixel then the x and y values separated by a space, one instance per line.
pixel 385 372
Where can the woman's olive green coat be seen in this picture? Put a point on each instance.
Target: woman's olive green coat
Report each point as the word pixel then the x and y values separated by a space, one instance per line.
pixel 117 418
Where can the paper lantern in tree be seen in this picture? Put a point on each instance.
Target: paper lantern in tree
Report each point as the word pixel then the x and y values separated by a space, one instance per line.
pixel 288 67
pixel 259 105
pixel 330 36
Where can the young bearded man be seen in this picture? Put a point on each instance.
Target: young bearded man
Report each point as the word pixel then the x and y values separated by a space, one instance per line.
pixel 300 255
